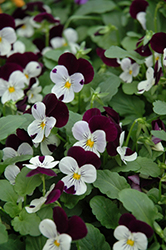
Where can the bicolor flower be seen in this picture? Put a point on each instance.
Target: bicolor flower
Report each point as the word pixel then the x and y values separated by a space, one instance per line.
pixel 76 176
pixel 55 240
pixel 90 141
pixel 33 92
pixel 66 85
pixel 42 124
pixel 126 154
pixel 13 88
pixel 158 44
pixel 18 46
pixel 44 18
pixel 41 164
pixel 23 149
pixel 25 27
pixel 130 70
pixel 10 173
pixel 157 125
pixel 156 57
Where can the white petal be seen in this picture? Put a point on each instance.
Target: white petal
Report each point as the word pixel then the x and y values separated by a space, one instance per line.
pixel 126 77
pixel 50 123
pixel 57 42
pixel 25 149
pixel 71 35
pixel 99 138
pixel 88 173
pixel 121 139
pixel 65 241
pixel 50 245
pixel 9 34
pixel 164 57
pixel 9 153
pixel 150 73
pixel 125 64
pixel 68 95
pixel 68 165
pixel 145 85
pixel 3 86
pixel 11 172
pixel 121 245
pixel 140 240
pixel 17 79
pixel 38 111
pixel 77 80
pixel 35 205
pixel 121 232
pixel 141 17
pixel 59 74
pixel 33 69
pixel 130 157
pixel 135 69
pixel 81 130
pixel 149 61
pixel 5 47
pixel 48 228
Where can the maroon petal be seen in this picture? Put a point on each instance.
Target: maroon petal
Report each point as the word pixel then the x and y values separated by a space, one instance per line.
pixel 61 220
pixel 69 61
pixel 7 69
pixel 45 16
pixel 85 68
pixel 53 196
pixel 126 218
pixel 89 113
pixel 158 42
pixel 111 147
pixel 22 104
pixel 129 152
pixel 103 123
pixel 70 190
pixel 112 62
pixel 56 31
pixel 13 141
pixel 76 228
pixel 143 50
pixel 22 59
pixel 112 114
pixel 40 170
pixel 6 21
pixel 140 226
pixel 137 6
pixel 23 136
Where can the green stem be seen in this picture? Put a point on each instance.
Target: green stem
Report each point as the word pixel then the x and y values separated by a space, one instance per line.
pixel 80 17
pixel 44 184
pixel 129 134
pixel 57 202
pixel 160 190
pixel 155 16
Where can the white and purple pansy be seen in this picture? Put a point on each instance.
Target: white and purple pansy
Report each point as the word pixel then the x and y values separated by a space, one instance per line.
pixel 41 165
pixel 158 44
pixel 42 124
pixel 66 85
pixel 130 70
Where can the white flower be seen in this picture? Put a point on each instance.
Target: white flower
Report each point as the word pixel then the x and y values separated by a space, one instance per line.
pixel 32 69
pixel 18 46
pixel 66 85
pixel 33 93
pixel 147 84
pixel 129 69
pixel 10 173
pixel 123 150
pixel 23 149
pixel 95 142
pixel 164 57
pixel 13 88
pixel 149 60
pixel 141 17
pixel 26 29
pixel 52 141
pixel 7 37
pixel 55 241
pixel 42 125
pixel 77 176
pixel 42 162
pixel 128 240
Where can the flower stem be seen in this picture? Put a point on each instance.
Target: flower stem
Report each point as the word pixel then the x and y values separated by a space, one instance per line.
pixel 160 190
pixel 44 184
pixel 129 134
pixel 80 17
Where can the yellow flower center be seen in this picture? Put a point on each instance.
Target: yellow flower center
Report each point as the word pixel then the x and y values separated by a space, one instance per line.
pixel 130 242
pixel 65 44
pixel 23 26
pixel 76 176
pixel 0 39
pixel 11 89
pixel 27 76
pixel 157 58
pixel 42 125
pixel 130 72
pixel 89 143
pixel 56 243
pixel 67 85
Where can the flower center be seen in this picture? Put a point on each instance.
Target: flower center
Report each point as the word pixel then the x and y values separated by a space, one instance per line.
pixel 89 143
pixel 130 72
pixel 42 125
pixel 23 26
pixel 56 243
pixel 0 39
pixel 11 89
pixel 67 85
pixel 65 44
pixel 157 58
pixel 130 242
pixel 27 76
pixel 76 176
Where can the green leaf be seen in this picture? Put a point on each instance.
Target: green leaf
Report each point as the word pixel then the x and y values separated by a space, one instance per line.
pixel 110 183
pixel 12 243
pixel 95 6
pixel 110 86
pixel 7 192
pixel 35 243
pixel 130 88
pixel 3 234
pixel 117 52
pixel 28 44
pixel 93 240
pixel 105 211
pixel 139 204
pixel 159 107
pixel 53 55
pixel 154 246
pixel 161 134
pixel 45 213
pixel 9 124
pixel 26 185
pixel 26 223
pixel 12 209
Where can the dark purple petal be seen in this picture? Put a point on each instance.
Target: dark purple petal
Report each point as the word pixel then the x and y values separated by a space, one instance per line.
pixel 23 136
pixel 140 226
pixel 137 6
pixel 158 42
pixel 129 152
pixel 22 104
pixel 112 114
pixel 41 158
pixel 158 124
pixel 70 190
pixel 13 141
pixel 40 170
pixel 69 61
pixel 61 220
pixel 126 218
pixel 22 59
pixel 76 228
pixel 35 6
pixel 56 31
pixel 112 62
pixel 80 1
pixel 89 113
pixel 84 157
pixel 7 69
pixel 111 147
pixel 134 182
pixel 6 21
pixel 57 109
pixel 141 49
pixel 51 147
pixel 103 123
pixel 53 196
pixel 85 68
pixel 45 16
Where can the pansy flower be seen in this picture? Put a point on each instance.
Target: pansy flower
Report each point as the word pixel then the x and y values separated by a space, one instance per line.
pixel 157 125
pixel 42 124
pixel 41 164
pixel 69 76
pixel 10 173
pixel 44 18
pixel 138 11
pixel 112 62
pixel 158 44
pixel 7 33
pixel 126 154
pixel 76 176
pixel 132 233
pixel 130 70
